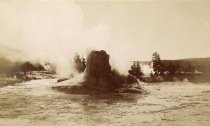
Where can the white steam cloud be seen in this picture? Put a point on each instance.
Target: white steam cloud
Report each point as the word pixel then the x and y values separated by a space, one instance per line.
pixel 53 31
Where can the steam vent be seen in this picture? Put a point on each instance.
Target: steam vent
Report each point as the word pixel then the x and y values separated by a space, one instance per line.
pixel 98 78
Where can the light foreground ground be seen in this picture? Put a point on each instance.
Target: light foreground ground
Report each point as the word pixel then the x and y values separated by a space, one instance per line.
pixel 35 103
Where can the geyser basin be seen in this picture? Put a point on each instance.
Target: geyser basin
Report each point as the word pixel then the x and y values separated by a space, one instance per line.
pixel 98 78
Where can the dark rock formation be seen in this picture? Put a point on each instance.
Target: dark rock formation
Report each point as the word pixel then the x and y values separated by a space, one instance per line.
pixel 98 72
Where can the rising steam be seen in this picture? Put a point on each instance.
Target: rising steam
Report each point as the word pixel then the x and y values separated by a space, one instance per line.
pixel 52 31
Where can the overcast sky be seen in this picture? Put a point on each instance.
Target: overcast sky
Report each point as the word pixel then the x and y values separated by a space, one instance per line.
pixel 127 30
pixel 174 29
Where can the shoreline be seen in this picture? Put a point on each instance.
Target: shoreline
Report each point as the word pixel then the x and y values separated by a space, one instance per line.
pixel 194 78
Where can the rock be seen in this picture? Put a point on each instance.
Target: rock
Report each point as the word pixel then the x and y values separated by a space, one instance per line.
pixel 129 90
pixel 62 79
pixel 98 71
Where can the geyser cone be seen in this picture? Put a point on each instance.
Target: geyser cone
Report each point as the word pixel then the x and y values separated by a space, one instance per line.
pixel 98 71
pixel 98 78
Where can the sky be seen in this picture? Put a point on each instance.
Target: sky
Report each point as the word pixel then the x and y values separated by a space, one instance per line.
pixel 55 30
pixel 175 29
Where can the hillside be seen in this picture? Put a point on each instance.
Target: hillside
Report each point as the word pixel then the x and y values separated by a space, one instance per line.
pixel 199 64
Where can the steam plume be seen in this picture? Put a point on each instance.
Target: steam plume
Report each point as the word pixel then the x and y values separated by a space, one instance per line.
pixel 50 31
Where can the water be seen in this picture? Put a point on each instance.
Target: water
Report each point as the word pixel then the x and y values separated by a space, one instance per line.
pixel 35 103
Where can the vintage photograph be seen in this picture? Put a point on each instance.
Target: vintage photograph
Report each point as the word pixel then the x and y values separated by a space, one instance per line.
pixel 104 63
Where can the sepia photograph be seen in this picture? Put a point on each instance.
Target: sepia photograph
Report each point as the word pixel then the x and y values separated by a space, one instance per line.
pixel 104 63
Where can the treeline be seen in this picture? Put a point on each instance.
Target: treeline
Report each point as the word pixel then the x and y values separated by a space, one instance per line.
pixel 184 66
pixel 160 67
pixel 197 69
pixel 9 68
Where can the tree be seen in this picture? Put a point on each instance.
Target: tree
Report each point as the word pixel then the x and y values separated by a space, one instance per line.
pixel 136 70
pixel 39 67
pixel 27 66
pixel 83 65
pixel 157 65
pixel 79 63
